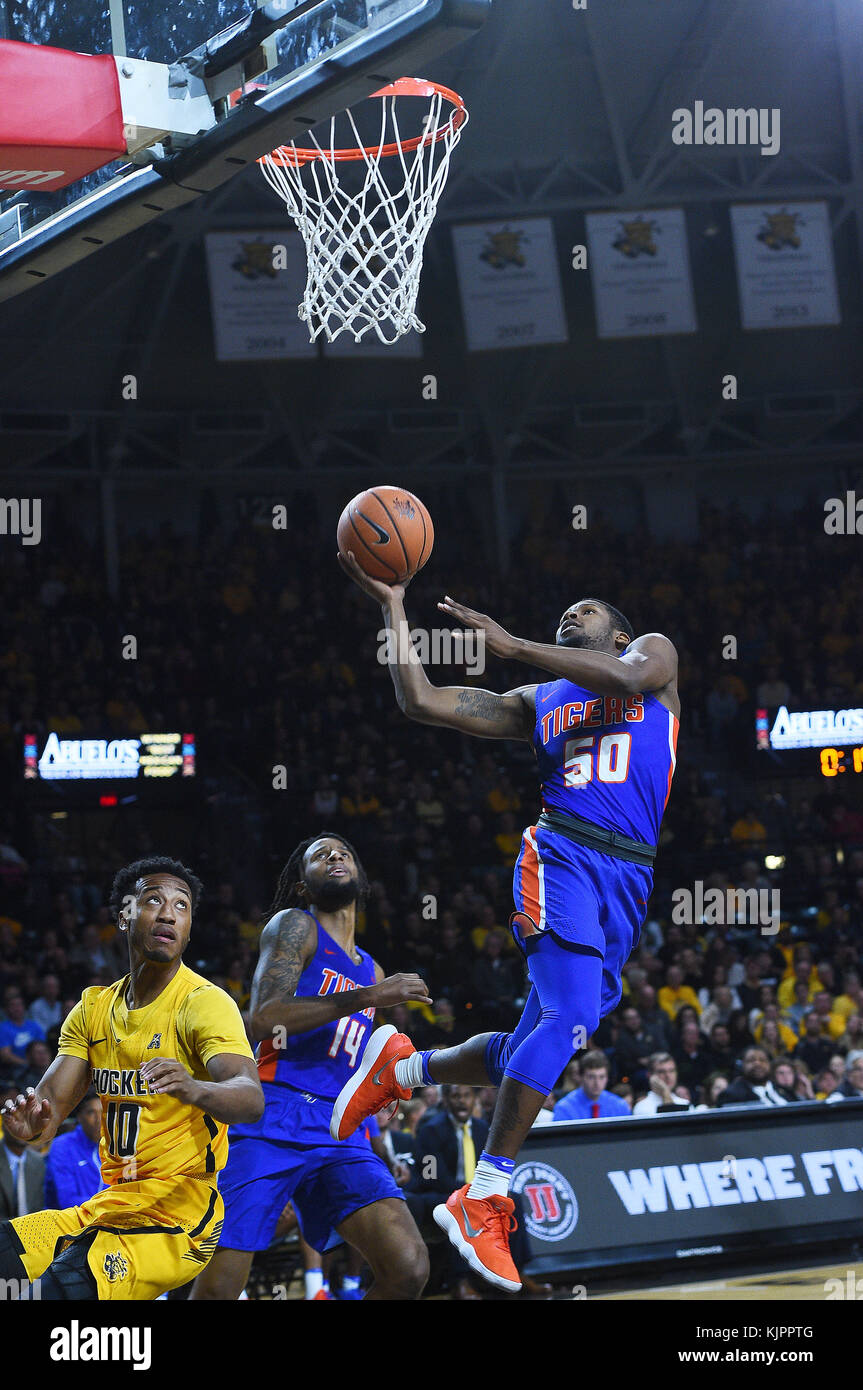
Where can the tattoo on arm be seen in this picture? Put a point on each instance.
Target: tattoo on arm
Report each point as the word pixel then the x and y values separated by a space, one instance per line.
pixel 482 705
pixel 284 955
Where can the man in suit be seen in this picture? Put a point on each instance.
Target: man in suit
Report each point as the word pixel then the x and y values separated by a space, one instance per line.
pixel 754 1087
pixel 22 1171
pixel 446 1147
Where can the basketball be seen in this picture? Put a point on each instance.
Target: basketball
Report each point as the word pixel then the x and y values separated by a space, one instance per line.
pixel 389 531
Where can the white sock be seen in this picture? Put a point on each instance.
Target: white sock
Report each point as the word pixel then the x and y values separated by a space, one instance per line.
pixel 314 1282
pixel 488 1181
pixel 409 1071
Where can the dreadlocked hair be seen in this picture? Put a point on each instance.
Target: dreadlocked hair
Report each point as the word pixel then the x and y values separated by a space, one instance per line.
pixel 289 887
pixel 126 878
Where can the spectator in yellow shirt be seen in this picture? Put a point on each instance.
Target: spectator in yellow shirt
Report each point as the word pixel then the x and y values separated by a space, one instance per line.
pixel 675 993
pixel 804 969
pixel 832 1024
pixel 748 829
pixel 775 1037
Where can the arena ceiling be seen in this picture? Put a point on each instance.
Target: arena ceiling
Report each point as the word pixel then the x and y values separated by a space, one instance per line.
pixel 570 112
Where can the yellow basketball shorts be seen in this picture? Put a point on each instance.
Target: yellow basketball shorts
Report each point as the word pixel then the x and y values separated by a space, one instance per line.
pixel 150 1236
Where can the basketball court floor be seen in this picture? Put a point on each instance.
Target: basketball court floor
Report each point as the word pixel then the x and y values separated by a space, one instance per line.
pixel 803 1283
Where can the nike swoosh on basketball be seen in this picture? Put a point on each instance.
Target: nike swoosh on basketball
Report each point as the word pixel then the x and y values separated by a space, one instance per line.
pixel 382 535
pixel 470 1230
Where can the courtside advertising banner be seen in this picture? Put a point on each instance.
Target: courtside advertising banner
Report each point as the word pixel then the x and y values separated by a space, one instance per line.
pixel 639 269
pixel 679 1188
pixel 510 284
pixel 785 272
pixel 256 284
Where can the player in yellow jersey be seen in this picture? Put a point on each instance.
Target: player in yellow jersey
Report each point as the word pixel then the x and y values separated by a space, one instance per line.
pixel 168 1055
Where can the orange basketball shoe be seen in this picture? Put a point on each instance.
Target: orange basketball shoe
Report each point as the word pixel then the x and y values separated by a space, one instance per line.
pixel 479 1229
pixel 374 1087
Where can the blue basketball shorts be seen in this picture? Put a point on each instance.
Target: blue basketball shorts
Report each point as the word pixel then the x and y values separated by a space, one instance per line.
pixel 289 1156
pixel 588 908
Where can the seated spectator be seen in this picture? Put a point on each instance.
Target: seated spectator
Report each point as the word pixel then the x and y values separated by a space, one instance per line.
pixel 813 1048
pixel 665 1095
pixel 654 1019
pixel 785 1079
pixel 494 985
pixel 738 1029
pixel 851 1085
pixel 674 993
pixel 748 830
pixel 749 989
pixel 825 1084
pixel 39 1058
pixel 447 1145
pixel 73 1172
pixel 852 1038
pixel 714 1086
pixel 850 1001
pixel 691 1055
pixel 591 1100
pixel 47 1009
pixel 721 1054
pixel 753 1086
pixel 832 1024
pixel 15 1036
pixel 633 1046
pixel 626 1093
pixel 803 969
pixel 794 1014
pixel 719 1008
pixel 774 1036
pixel 22 1171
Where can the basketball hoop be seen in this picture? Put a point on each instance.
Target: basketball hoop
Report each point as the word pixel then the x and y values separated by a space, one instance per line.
pixel 365 247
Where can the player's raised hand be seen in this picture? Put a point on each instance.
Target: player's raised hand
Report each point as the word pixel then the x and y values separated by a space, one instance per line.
pixel 497 640
pixel 25 1117
pixel 399 989
pixel 167 1076
pixel 375 588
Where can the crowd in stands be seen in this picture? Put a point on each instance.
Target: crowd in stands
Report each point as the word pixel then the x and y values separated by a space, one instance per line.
pixel 253 639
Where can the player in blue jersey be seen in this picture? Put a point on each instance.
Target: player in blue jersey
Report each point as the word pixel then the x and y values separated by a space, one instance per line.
pixel 313 1003
pixel 604 733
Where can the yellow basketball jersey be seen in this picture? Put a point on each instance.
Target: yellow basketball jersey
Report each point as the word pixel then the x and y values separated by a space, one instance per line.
pixel 144 1135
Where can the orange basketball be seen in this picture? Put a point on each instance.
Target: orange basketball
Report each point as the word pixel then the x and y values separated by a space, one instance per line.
pixel 389 531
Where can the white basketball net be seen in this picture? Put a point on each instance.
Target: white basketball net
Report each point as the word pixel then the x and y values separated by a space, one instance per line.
pixel 365 248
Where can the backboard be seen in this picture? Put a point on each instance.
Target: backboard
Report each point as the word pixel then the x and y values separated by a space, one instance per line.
pixel 324 59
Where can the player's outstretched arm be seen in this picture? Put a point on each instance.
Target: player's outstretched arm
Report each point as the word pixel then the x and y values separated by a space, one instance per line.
pixel 288 943
pixel 481 712
pixel 39 1111
pixel 648 664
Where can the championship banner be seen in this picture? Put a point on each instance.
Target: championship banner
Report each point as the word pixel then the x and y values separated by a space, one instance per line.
pixel 639 269
pixel 786 277
pixel 510 284
pixel 253 304
pixel 682 1187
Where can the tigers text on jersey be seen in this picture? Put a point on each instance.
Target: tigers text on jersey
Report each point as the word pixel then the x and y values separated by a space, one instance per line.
pixel 606 758
pixel 320 1062
pixel 144 1135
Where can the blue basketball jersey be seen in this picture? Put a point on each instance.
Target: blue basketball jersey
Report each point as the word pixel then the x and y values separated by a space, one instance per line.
pixel 320 1062
pixel 606 758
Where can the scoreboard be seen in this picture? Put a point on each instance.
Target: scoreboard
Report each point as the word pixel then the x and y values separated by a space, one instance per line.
pixel 809 742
